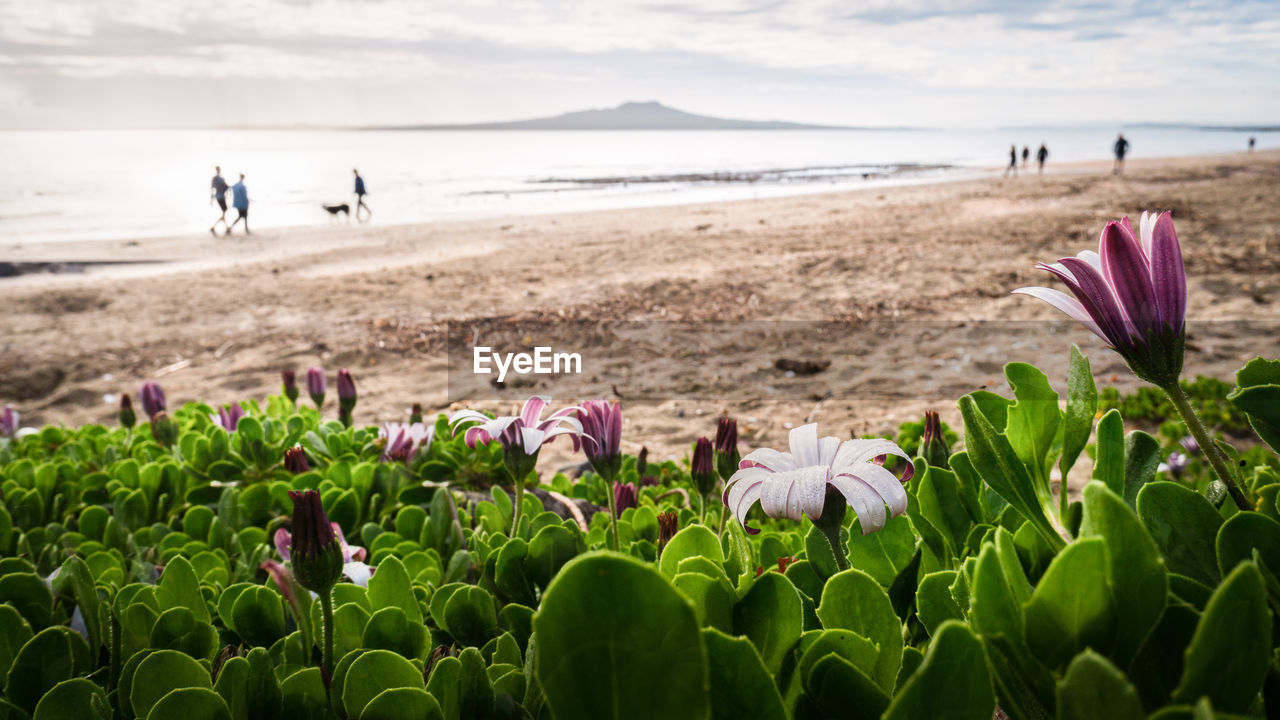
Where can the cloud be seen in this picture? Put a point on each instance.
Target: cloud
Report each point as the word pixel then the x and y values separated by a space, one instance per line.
pixel 983 47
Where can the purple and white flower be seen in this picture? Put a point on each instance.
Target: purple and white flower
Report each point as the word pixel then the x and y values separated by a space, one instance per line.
pixel 1132 293
pixel 403 440
pixel 353 565
pixel 794 484
pixel 228 416
pixel 601 438
pixel 526 432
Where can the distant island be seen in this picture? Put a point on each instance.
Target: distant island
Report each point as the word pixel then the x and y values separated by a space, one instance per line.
pixel 633 116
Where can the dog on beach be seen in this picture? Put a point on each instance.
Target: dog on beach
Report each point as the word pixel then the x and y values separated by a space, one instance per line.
pixel 333 210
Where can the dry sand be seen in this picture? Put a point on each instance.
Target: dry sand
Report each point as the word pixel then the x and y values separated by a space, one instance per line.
pixel 680 311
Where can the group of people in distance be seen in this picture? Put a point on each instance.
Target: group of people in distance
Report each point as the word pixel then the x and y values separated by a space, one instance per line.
pixel 240 201
pixel 1041 155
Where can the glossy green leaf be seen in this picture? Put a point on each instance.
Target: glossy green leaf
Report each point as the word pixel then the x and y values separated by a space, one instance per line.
pixel 1071 608
pixel 1082 407
pixel 771 616
pixel 692 541
pixel 608 620
pixel 740 684
pixel 1184 526
pixel 854 601
pixel 372 673
pixel 163 672
pixel 1093 688
pixel 390 587
pixel 403 704
pixel 1108 465
pixel 1227 658
pixel 952 683
pixel 1033 422
pixel 190 703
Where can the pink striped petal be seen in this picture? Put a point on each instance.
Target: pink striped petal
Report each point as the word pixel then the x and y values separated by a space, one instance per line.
pixel 1129 276
pixel 1067 304
pixel 769 458
pixel 1168 274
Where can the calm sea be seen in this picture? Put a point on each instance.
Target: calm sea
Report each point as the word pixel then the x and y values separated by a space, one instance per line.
pixel 104 185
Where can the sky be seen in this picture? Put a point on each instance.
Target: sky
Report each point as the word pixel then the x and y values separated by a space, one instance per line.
pixel 963 63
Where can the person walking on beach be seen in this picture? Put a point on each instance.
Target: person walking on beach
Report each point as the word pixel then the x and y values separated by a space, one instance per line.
pixel 1121 147
pixel 218 193
pixel 360 193
pixel 240 200
pixel 1026 155
pixel 1013 161
pixel 1041 155
pixel 1252 141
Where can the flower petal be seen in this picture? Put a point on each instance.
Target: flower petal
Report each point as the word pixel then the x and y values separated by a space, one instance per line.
pixel 769 458
pixel 533 408
pixel 811 489
pixel 1168 274
pixel 1067 304
pixel 1127 272
pixel 1092 290
pixel 804 445
pixel 868 506
pixel 282 541
pixel 776 495
pixel 863 450
pixel 886 485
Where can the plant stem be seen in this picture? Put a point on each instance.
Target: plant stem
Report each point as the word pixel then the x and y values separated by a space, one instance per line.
pixel 326 650
pixel 613 516
pixel 702 509
pixel 113 679
pixel 828 531
pixel 519 505
pixel 1207 444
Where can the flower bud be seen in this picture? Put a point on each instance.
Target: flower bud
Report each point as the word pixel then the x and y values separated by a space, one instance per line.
pixel 346 390
pixel 289 385
pixel 668 524
pixel 127 416
pixel 1190 445
pixel 8 421
pixel 642 461
pixel 703 467
pixel 624 496
pixel 164 429
pixel 934 447
pixel 315 552
pixel 152 397
pixel 727 456
pixel 295 460
pixel 315 385
pixel 415 415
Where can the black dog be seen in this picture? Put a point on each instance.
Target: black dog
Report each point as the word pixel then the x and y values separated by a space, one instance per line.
pixel 333 210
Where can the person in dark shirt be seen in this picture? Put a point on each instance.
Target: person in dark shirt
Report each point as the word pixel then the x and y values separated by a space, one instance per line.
pixel 1252 141
pixel 1026 155
pixel 360 193
pixel 1121 147
pixel 1041 155
pixel 240 200
pixel 218 194
pixel 1013 161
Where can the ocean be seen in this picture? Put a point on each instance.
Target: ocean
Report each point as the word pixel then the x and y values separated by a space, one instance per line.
pixel 104 185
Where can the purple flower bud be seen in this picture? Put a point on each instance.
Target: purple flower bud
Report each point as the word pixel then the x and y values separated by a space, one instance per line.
pixel 624 496
pixel 602 436
pixel 933 444
pixel 164 429
pixel 295 460
pixel 642 461
pixel 315 552
pixel 316 385
pixel 415 415
pixel 8 421
pixel 152 398
pixel 229 417
pixel 346 389
pixel 727 456
pixel 703 467
pixel 668 524
pixel 289 385
pixel 1176 464
pixel 1190 445
pixel 127 416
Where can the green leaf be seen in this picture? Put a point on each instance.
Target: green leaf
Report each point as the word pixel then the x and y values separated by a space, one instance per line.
pixel 839 689
pixel 258 615
pixel 1141 458
pixel 854 601
pixel 952 683
pixel 1033 422
pixel 14 633
pixel 1071 608
pixel 304 696
pixel 941 503
pixel 1257 393
pixel 78 698
pixel 1138 579
pixel 390 587
pixel 44 661
pixel 191 703
pixel 1242 534
pixel 1157 668
pixel 403 704
pixel 1184 526
pixel 994 610
pixel 373 672
pixel 76 574
pixel 934 603
pixel 1227 658
pixel 1082 406
pixel 771 616
pixel 741 686
pixel 694 540
pixel 1093 688
pixel 1108 466
pixel 610 631
pixel 999 466
pixel 161 673
pixel 178 587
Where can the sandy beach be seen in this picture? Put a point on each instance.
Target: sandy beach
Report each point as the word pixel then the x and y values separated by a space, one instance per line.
pixel 884 302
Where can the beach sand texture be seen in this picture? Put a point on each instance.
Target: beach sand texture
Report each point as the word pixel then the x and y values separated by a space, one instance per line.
pixel 901 294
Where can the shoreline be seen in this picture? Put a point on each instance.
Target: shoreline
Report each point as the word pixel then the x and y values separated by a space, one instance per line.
pixel 683 310
pixel 88 253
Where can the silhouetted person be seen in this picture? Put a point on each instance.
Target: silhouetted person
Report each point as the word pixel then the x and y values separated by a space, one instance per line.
pixel 1026 155
pixel 1013 161
pixel 1041 155
pixel 1252 141
pixel 240 200
pixel 1120 148
pixel 218 193
pixel 360 193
